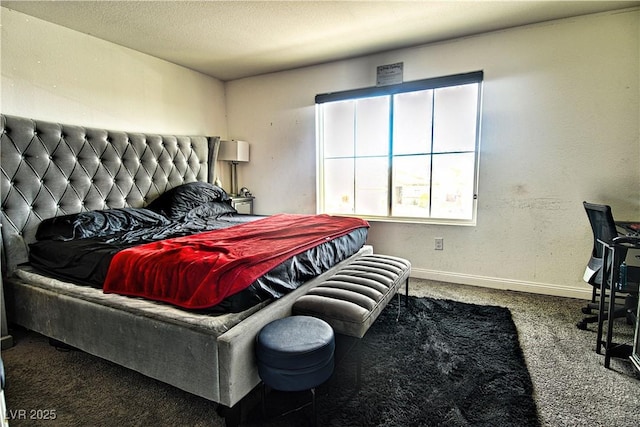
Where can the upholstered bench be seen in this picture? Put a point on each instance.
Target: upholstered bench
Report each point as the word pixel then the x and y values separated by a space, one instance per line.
pixel 351 300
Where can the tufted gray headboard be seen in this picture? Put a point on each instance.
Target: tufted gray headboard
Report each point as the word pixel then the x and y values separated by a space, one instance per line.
pixel 50 169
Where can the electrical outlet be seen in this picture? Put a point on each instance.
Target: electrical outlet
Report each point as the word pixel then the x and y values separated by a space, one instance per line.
pixel 439 244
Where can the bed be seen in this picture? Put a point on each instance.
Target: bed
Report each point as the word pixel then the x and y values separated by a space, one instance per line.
pixel 52 172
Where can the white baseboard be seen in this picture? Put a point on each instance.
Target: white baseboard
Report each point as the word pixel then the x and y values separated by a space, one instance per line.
pixel 501 283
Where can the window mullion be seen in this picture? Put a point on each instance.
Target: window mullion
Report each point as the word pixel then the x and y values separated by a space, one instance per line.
pixel 433 116
pixel 390 169
pixel 355 156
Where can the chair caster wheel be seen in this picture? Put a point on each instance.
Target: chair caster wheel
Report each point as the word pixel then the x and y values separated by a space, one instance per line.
pixel 582 325
pixel 586 310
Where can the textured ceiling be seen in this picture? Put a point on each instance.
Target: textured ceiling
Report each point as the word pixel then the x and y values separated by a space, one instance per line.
pixel 235 39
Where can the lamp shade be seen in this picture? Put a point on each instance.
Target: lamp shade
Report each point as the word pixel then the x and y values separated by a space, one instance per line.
pixel 234 151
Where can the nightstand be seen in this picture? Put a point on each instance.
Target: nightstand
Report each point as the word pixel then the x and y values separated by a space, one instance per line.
pixel 244 205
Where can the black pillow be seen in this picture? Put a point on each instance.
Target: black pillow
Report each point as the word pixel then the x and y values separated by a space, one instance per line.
pixel 211 210
pixel 178 201
pixel 97 223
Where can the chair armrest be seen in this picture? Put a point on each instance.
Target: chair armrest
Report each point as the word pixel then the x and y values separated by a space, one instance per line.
pixel 629 242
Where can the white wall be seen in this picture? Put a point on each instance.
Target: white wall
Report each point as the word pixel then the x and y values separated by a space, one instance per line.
pixel 561 124
pixel 52 73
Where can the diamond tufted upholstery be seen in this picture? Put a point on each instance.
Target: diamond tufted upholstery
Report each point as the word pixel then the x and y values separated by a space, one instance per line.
pixel 50 169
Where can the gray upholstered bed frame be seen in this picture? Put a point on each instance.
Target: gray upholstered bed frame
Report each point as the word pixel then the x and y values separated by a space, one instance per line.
pixel 49 170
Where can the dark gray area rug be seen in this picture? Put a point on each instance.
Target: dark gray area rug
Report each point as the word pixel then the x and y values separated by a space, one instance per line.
pixel 434 363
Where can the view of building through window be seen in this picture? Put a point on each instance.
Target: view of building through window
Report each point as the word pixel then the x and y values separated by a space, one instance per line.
pixel 408 154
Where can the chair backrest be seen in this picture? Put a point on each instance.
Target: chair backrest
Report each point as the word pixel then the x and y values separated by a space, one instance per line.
pixel 604 229
pixel 602 225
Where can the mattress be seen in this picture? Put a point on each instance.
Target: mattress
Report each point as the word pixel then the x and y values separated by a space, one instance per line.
pixel 85 262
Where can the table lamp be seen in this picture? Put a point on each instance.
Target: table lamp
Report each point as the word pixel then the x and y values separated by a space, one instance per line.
pixel 234 152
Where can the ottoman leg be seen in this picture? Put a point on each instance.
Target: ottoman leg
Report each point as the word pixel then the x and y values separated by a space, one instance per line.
pixel 313 407
pixel 263 401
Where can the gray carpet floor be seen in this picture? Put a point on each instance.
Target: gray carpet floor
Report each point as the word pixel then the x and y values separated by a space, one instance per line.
pixel 572 386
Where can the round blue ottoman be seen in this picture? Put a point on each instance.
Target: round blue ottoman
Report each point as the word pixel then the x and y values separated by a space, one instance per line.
pixel 295 353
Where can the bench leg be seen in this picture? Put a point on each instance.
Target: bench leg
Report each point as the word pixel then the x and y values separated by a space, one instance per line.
pixel 406 291
pixel 406 298
pixel 358 364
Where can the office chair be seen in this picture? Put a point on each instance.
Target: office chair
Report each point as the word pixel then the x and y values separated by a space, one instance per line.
pixel 604 229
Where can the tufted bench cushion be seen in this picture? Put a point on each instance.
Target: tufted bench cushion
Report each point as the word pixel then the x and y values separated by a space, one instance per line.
pixel 351 300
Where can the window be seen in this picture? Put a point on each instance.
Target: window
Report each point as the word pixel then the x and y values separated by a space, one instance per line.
pixel 406 152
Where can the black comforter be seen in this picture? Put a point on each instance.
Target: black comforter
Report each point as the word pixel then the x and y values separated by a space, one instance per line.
pixel 79 248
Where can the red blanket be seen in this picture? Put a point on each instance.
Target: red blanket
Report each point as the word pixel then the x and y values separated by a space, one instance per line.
pixel 201 270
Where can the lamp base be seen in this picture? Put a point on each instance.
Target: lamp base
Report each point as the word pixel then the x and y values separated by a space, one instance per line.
pixel 234 179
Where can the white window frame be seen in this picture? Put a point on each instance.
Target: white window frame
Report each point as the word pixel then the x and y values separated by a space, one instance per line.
pixel 420 85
